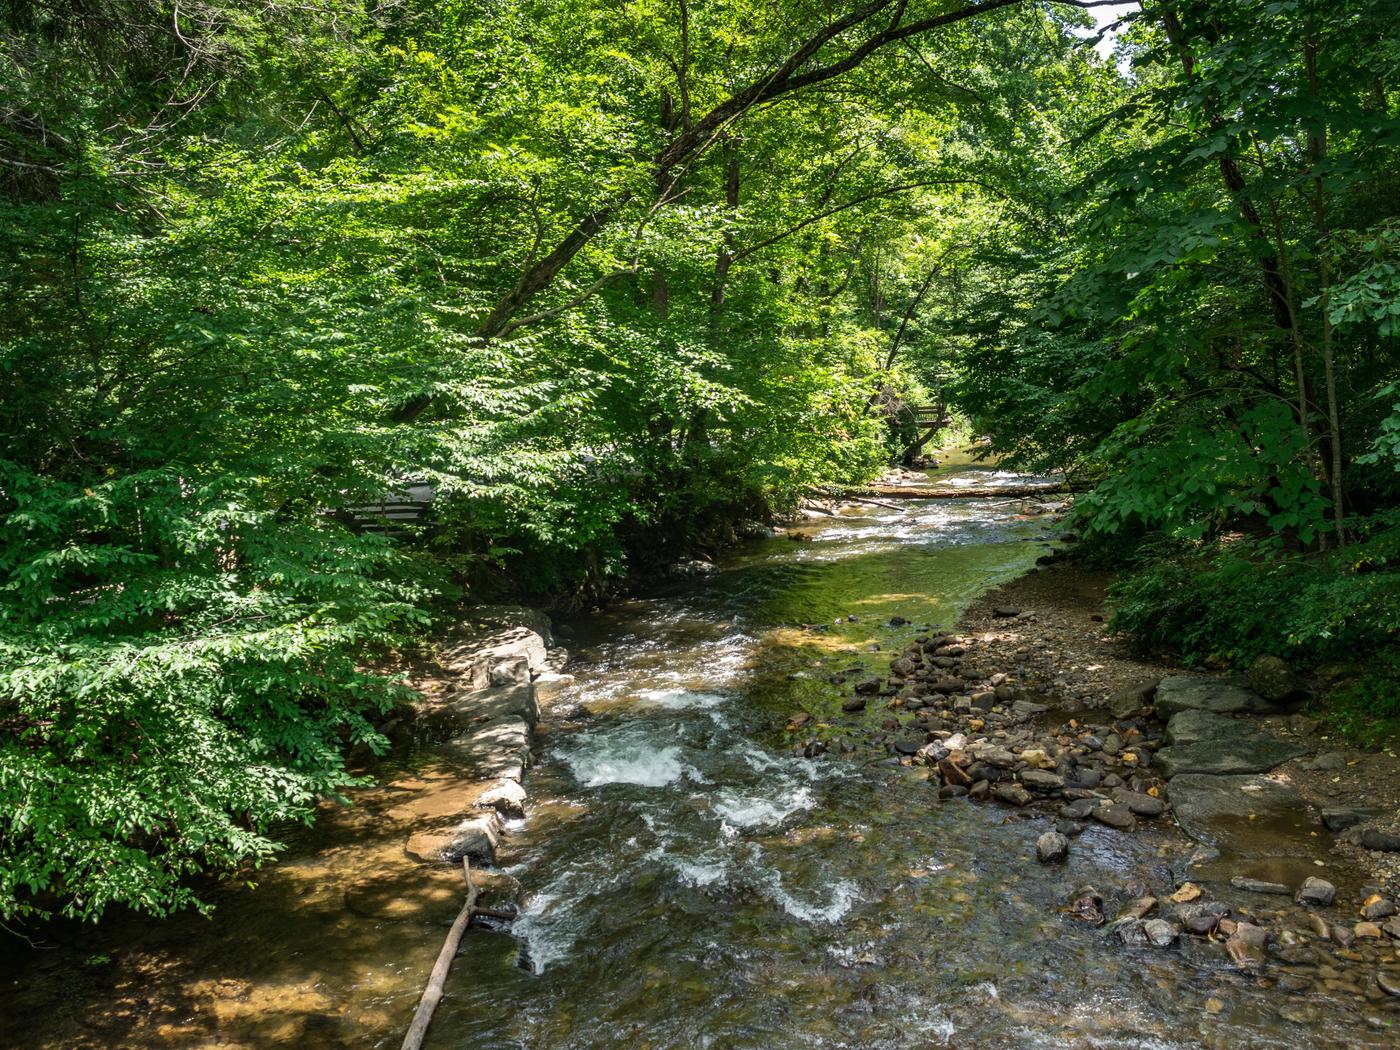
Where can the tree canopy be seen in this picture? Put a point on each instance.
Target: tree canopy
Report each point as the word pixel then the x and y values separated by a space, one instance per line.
pixel 617 280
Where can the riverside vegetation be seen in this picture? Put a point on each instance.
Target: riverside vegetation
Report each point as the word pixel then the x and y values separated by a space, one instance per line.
pixel 619 281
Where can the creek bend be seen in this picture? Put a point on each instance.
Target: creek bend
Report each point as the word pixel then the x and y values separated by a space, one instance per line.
pixel 689 881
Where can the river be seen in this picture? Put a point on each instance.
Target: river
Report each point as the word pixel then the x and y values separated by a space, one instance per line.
pixel 692 882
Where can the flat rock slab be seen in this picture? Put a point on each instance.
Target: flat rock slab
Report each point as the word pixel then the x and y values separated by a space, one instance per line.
pixel 1221 696
pixel 1191 725
pixel 1208 743
pixel 1260 830
pixel 501 704
pixel 495 751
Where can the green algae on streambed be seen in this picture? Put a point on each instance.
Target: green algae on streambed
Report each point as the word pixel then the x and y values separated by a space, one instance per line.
pixel 688 880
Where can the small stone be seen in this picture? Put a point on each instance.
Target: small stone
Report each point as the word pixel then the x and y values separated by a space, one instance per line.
pixel 1343 935
pixel 1240 882
pixel 1132 932
pixel 1202 924
pixel 1069 828
pixel 1367 931
pixel 1376 908
pixel 1079 809
pixel 1316 891
pixel 1006 611
pixel 1185 893
pixel 1115 817
pixel 1051 847
pixel 855 703
pixel 868 685
pixel 980 791
pixel 1388 982
pixel 1160 933
pixel 1392 927
pixel 1250 934
pixel 1139 803
pixel 1013 793
pixel 1040 780
pixel 1214 1005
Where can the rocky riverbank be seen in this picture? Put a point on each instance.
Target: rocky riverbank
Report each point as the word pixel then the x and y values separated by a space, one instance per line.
pixel 1283 859
pixel 480 687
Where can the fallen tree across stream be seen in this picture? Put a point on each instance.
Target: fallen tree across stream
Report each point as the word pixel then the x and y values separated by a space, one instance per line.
pixel 886 492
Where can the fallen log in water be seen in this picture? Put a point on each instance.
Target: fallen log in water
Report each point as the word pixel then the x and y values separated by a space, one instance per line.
pixel 432 994
pixel 948 492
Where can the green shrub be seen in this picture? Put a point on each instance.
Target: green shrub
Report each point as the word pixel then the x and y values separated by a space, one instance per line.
pixel 1234 602
pixel 179 671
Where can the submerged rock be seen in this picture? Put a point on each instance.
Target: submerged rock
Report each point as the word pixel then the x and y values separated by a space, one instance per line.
pixel 1249 885
pixel 1161 933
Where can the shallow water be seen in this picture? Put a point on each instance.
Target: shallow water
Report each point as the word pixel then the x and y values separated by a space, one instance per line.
pixel 690 881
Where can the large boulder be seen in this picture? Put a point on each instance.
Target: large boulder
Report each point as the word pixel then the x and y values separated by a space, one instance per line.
pixel 1221 696
pixel 1127 702
pixel 1274 680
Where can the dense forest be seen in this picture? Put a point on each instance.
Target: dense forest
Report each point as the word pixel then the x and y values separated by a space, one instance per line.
pixel 621 281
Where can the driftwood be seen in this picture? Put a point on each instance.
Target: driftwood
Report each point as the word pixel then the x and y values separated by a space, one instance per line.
pixel 432 994
pixel 873 502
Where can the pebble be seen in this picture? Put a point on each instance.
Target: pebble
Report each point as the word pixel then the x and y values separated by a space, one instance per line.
pixel 1142 804
pixel 1376 908
pixel 1388 982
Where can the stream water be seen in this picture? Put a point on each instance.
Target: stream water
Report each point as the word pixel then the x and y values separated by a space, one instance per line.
pixel 690 882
